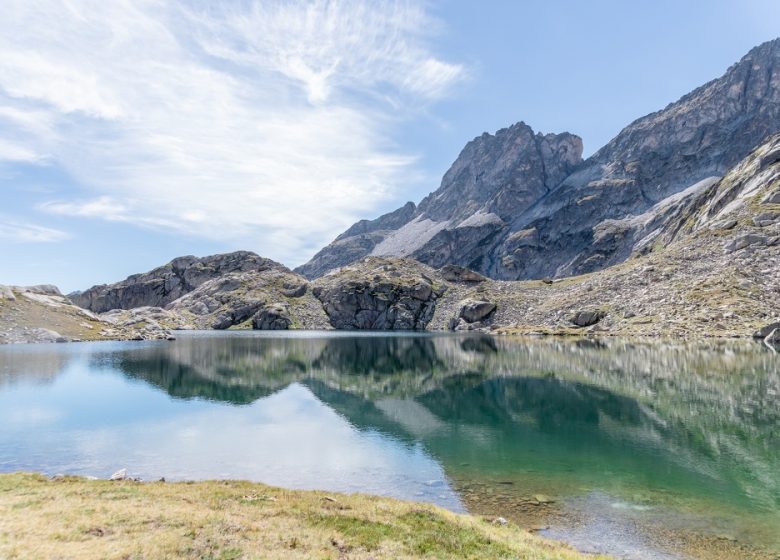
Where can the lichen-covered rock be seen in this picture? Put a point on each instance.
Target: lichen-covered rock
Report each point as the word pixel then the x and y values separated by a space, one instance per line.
pixel 379 294
pixel 472 310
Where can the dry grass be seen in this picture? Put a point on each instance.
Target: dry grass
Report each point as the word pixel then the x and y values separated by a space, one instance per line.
pixel 67 320
pixel 76 518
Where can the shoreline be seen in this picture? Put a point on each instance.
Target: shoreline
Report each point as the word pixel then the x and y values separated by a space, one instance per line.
pixel 75 517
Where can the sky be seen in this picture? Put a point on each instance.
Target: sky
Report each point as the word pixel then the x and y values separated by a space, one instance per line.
pixel 135 131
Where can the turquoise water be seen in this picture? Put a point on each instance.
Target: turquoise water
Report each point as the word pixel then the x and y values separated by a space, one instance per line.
pixel 663 450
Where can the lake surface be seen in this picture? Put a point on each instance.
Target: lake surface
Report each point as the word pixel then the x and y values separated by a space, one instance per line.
pixel 663 450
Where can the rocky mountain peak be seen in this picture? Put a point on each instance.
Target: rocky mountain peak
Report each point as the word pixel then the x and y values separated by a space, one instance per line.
pixel 495 177
pixel 499 173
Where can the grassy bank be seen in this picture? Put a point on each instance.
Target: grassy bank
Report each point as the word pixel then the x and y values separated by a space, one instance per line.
pixel 77 518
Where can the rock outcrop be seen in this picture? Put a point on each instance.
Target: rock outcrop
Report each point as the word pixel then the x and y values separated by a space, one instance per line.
pixel 519 205
pixel 163 285
pixel 39 314
pixel 379 294
pixel 270 299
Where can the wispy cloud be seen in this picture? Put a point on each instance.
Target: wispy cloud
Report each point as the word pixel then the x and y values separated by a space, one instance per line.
pixel 268 122
pixel 23 232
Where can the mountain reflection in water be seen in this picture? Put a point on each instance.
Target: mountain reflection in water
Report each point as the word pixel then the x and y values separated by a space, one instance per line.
pixel 529 429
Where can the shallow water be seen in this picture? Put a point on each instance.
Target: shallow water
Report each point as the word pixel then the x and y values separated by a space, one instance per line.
pixel 662 450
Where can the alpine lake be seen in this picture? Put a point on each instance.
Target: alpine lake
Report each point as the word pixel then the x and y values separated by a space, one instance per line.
pixel 639 449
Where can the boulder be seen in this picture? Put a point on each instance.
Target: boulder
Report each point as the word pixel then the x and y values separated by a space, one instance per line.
pixel 44 289
pixel 772 198
pixel 7 293
pixel 745 240
pixel 272 317
pixel 290 289
pixel 764 332
pixel 46 335
pixel 773 337
pixel 455 273
pixel 119 475
pixel 765 219
pixel 770 158
pixel 235 312
pixel 587 318
pixel 472 310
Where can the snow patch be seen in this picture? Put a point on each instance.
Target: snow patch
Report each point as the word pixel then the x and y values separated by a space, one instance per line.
pixel 479 219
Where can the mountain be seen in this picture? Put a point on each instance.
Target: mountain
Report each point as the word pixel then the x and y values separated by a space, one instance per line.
pixel 519 205
pixel 705 263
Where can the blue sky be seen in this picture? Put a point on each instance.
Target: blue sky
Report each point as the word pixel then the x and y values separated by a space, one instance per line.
pixel 134 131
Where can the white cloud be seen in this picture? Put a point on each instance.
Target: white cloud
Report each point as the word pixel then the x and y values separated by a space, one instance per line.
pixel 266 122
pixel 102 207
pixel 24 232
pixel 10 152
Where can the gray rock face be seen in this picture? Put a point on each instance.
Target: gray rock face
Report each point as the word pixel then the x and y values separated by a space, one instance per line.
pixel 472 310
pixel 167 283
pixel 516 205
pixel 377 295
pixel 272 317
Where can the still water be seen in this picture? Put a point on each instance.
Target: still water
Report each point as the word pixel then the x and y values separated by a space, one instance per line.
pixel 641 450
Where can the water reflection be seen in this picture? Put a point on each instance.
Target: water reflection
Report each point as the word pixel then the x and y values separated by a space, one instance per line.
pixel 683 437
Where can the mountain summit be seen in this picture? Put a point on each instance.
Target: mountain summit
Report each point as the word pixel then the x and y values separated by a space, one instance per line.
pixel 519 205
